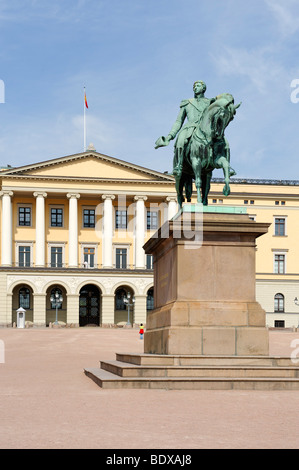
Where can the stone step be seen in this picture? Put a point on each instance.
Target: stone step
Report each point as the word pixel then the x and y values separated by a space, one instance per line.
pixel 194 360
pixel 130 370
pixel 108 380
pixel 183 372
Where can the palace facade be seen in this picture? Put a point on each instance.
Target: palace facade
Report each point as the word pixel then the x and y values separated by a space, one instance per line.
pixel 76 226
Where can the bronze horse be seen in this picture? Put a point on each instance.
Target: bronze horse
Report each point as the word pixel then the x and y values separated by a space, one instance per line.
pixel 207 150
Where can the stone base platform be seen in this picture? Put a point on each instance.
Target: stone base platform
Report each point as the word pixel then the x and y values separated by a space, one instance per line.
pixel 190 372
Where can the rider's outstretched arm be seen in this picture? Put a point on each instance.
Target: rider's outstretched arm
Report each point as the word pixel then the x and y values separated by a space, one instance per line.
pixel 163 141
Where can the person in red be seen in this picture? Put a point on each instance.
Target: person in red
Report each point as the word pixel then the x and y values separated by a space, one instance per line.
pixel 141 331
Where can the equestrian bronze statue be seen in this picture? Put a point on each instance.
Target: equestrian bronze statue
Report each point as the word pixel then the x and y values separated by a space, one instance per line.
pixel 200 146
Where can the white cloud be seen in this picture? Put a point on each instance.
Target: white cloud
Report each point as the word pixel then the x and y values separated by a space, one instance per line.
pixel 286 13
pixel 257 66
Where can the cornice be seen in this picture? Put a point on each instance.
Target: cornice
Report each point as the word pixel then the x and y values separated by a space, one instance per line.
pixel 87 179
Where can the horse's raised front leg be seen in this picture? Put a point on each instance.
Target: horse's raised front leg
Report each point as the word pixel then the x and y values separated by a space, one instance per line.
pixel 196 166
pixel 223 163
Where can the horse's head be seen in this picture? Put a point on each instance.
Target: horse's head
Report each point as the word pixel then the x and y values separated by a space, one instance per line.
pixel 218 116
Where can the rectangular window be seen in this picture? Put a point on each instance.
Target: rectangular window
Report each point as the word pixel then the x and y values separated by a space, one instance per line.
pixel 121 219
pixel 25 216
pixel 88 257
pixel 56 256
pixel 121 258
pixel 89 218
pixel 24 256
pixel 56 217
pixel 279 227
pixel 279 264
pixel 152 220
pixel 149 261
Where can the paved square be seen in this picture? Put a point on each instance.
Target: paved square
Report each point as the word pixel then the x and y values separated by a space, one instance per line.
pixel 46 401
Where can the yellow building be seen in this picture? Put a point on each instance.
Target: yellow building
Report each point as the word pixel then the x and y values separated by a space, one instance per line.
pixel 76 225
pixel 277 256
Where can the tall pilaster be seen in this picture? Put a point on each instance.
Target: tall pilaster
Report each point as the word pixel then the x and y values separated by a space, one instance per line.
pixel 6 305
pixel 6 228
pixel 72 314
pixel 107 230
pixel 40 228
pixel 140 309
pixel 73 229
pixel 139 231
pixel 39 309
pixel 107 316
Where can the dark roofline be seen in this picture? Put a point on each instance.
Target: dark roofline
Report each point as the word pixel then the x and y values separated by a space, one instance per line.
pixel 258 181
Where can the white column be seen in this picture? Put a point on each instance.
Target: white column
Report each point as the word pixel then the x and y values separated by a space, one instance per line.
pixel 40 228
pixel 73 229
pixel 139 232
pixel 107 230
pixel 172 206
pixel 6 228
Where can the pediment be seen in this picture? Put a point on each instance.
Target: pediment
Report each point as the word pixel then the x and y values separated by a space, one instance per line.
pixel 88 165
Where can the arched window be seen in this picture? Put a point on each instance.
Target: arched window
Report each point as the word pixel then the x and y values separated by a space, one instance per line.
pixel 53 291
pixel 150 299
pixel 120 294
pixel 279 303
pixel 24 298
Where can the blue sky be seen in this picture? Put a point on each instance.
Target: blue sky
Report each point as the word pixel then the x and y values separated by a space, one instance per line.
pixel 138 59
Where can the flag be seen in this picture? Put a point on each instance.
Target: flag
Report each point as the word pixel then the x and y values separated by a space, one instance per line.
pixel 85 100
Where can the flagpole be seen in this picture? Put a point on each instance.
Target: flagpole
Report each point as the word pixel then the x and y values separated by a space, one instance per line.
pixel 84 122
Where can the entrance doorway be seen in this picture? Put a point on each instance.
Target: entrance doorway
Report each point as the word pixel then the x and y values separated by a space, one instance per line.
pixel 89 305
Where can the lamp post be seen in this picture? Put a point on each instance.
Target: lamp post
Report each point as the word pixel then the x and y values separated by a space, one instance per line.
pixel 129 304
pixel 56 300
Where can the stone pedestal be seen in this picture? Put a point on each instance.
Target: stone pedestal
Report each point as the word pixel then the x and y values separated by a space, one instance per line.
pixel 204 286
pixel 207 332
